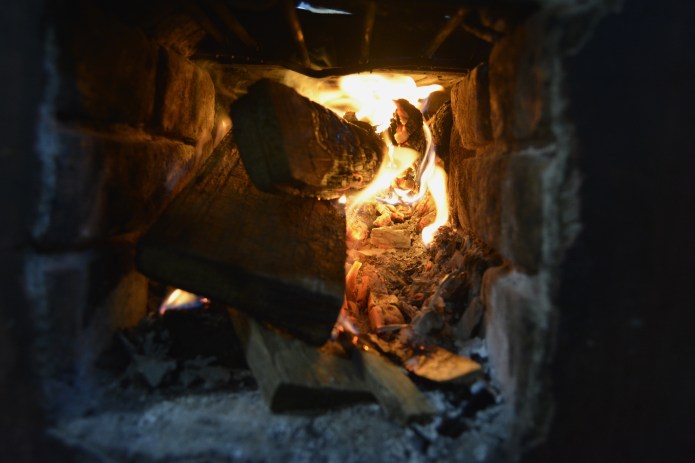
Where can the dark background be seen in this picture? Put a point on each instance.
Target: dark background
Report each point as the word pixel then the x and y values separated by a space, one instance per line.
pixel 624 375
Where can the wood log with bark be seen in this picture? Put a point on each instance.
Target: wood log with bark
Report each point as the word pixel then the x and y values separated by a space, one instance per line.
pixel 291 144
pixel 279 258
pixel 293 375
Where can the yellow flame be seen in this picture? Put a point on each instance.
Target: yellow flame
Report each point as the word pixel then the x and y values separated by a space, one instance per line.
pixel 179 299
pixel 370 96
pixel 436 184
pixel 399 159
pixel 222 128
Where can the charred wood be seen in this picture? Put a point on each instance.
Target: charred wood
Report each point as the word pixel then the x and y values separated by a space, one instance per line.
pixel 289 143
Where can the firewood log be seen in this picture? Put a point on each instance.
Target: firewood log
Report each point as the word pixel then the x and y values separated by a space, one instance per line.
pixel 279 258
pixel 293 375
pixel 291 144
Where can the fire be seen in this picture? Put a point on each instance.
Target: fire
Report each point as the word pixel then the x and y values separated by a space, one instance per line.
pixel 179 299
pixel 372 98
pixel 398 161
pixel 436 185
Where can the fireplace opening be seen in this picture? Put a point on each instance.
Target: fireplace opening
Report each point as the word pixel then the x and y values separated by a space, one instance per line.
pixel 203 270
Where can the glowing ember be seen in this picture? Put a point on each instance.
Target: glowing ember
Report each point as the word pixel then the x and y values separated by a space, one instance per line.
pixel 179 299
pixel 222 128
pixel 373 98
pixel 399 160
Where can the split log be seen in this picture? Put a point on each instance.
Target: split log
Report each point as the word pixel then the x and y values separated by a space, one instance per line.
pixel 289 143
pixel 442 366
pixel 293 375
pixel 395 392
pixel 279 258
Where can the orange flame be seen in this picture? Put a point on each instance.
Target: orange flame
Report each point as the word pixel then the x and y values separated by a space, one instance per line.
pixel 436 185
pixel 371 97
pixel 179 299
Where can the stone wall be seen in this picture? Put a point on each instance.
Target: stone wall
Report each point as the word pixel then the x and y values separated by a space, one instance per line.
pixel 124 124
pixel 508 178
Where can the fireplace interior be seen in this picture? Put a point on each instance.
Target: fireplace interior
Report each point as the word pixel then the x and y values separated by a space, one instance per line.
pixel 158 171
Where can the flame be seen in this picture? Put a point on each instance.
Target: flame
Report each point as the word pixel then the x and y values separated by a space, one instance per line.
pixel 398 161
pixel 436 185
pixel 371 96
pixel 179 299
pixel 222 128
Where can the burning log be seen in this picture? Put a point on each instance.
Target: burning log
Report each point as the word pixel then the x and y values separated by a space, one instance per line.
pixel 279 258
pixel 289 143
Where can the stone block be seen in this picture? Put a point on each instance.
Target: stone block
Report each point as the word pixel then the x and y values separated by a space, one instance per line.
pixel 499 198
pixel 94 185
pixel 517 84
pixel 78 300
pixel 100 69
pixel 517 312
pixel 470 104
pixel 185 108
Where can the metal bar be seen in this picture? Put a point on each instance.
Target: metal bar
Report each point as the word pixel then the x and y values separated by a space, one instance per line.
pixel 297 33
pixel 225 15
pixel 369 18
pixel 449 27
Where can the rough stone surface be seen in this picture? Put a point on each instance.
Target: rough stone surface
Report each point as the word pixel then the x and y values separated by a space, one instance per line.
pixel 517 80
pixel 516 326
pixel 96 184
pixel 185 107
pixel 101 70
pixel 470 104
pixel 78 299
pixel 499 198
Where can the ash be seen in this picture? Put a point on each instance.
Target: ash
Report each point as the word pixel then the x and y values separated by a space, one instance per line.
pixel 185 395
